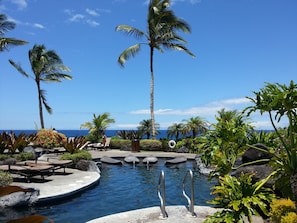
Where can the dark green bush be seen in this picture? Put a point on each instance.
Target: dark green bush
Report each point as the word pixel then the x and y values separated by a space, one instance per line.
pixel 3 157
pixel 24 156
pixel 117 143
pixel 151 145
pixel 5 178
pixel 75 157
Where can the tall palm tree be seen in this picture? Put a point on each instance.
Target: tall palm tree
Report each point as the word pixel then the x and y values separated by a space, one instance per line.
pixel 145 128
pixel 175 129
pixel 195 125
pixel 47 66
pixel 98 125
pixel 162 28
pixel 6 42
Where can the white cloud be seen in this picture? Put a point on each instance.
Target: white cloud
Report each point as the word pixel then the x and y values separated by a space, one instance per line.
pixel 193 2
pixel 92 23
pixel 76 18
pixel 92 12
pixel 21 4
pixel 82 18
pixel 207 110
pixel 37 25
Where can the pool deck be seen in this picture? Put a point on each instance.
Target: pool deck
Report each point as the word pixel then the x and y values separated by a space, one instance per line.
pixel 62 185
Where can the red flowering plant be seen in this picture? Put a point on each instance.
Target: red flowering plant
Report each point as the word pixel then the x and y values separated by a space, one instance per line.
pixel 49 139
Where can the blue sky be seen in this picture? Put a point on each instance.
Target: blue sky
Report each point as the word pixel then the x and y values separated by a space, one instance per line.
pixel 239 45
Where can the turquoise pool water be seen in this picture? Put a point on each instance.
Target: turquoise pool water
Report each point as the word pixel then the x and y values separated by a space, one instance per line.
pixel 125 188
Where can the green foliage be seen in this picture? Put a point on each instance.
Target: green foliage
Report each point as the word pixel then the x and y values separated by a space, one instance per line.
pixel 97 126
pixel 151 144
pixel 47 66
pixel 222 145
pixel 7 42
pixel 224 216
pixel 267 138
pixel 193 144
pixel 280 208
pixel 5 178
pixel 124 134
pixel 280 101
pixel 3 157
pixel 117 143
pixel 145 128
pixel 195 126
pixel 241 198
pixel 49 139
pixel 176 129
pixel 24 156
pixel 75 157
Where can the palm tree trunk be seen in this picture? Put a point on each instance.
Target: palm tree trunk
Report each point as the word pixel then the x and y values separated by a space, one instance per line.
pixel 40 105
pixel 152 93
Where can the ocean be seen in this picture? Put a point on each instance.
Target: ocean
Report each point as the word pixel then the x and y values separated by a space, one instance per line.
pixel 82 132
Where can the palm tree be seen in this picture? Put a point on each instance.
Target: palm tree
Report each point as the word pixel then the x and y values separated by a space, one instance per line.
pixel 98 125
pixel 195 125
pixel 47 66
pixel 5 42
pixel 162 28
pixel 226 116
pixel 145 128
pixel 175 129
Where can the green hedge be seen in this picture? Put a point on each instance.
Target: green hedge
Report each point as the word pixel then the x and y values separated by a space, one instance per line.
pixel 145 144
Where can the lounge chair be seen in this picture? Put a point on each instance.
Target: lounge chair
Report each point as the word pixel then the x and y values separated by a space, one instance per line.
pixel 84 145
pixel 28 171
pixel 96 146
pixel 55 163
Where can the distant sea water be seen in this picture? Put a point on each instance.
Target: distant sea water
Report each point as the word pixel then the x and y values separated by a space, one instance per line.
pixel 82 132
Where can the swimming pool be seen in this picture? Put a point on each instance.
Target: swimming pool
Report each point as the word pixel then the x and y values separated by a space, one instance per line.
pixel 125 188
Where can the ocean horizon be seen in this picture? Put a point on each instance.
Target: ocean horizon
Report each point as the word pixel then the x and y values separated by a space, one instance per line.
pixel 81 132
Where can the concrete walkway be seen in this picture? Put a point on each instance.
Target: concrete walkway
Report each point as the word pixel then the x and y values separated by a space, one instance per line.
pixel 62 185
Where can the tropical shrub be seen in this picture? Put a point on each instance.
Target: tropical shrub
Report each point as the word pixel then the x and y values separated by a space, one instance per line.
pixel 291 217
pixel 239 197
pixel 24 156
pixel 5 178
pixel 97 126
pixel 117 143
pixel 279 101
pixel 267 138
pixel 225 142
pixel 280 208
pixel 72 145
pixel 12 142
pixel 151 144
pixel 3 157
pixel 49 139
pixel 75 157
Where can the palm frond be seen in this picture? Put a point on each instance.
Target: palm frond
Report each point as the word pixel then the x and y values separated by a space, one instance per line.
pixel 44 102
pixel 130 31
pixel 127 53
pixel 5 43
pixel 18 67
pixel 56 77
pixel 179 47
